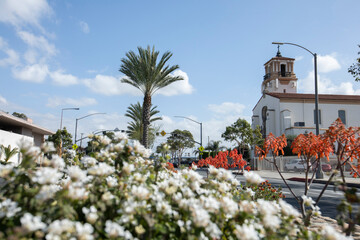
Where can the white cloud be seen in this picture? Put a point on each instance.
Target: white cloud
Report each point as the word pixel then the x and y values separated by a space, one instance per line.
pixel 62 79
pixel 326 86
pixel 3 101
pixel 227 108
pixel 12 56
pixel 109 85
pixel 84 27
pixel 38 42
pixel 328 63
pixel 33 73
pixel 24 12
pixel 179 87
pixel 58 101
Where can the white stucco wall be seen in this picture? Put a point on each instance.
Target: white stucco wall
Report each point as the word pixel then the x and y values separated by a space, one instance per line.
pixel 273 106
pixel 282 116
pixel 13 139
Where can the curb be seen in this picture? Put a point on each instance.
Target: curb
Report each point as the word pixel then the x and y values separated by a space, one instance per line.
pixel 297 179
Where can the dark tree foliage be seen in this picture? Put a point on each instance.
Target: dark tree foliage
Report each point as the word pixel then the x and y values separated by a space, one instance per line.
pixel 355 69
pixel 242 133
pixel 179 141
pixel 61 134
pixel 20 115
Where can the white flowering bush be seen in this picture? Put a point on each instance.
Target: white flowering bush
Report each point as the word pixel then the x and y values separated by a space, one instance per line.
pixel 119 193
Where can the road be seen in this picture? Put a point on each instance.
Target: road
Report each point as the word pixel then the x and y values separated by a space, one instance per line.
pixel 327 203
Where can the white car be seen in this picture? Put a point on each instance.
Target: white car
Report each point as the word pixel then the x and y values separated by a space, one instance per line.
pixel 295 165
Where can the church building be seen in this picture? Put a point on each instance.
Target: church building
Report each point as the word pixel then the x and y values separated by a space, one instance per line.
pixel 282 110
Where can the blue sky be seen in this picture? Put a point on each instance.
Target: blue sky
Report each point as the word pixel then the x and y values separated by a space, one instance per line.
pixel 59 54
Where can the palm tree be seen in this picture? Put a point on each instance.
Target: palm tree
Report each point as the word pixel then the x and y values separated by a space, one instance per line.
pixel 146 73
pixel 135 127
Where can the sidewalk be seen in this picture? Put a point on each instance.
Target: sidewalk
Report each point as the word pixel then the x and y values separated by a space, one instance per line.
pixel 300 177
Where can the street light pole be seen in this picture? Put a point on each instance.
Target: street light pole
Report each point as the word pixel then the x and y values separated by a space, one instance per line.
pixel 319 172
pixel 197 123
pixel 62 110
pixel 76 123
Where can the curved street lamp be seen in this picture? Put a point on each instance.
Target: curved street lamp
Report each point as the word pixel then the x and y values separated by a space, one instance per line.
pixel 62 110
pixel 197 123
pixel 76 123
pixel 319 173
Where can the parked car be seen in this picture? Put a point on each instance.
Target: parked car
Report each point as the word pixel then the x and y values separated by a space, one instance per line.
pixel 295 165
pixel 324 166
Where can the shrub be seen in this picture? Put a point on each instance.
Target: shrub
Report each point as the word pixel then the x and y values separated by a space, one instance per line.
pixel 119 193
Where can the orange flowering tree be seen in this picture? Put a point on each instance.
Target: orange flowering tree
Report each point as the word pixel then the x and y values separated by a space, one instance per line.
pixel 339 140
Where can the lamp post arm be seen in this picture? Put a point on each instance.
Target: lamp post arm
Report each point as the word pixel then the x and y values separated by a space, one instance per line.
pixel 188 119
pixel 89 115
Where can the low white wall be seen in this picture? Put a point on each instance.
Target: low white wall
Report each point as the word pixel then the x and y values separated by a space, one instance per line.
pixel 13 139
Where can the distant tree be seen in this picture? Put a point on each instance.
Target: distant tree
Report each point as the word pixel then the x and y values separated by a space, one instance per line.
pixel 355 69
pixel 242 133
pixel 214 147
pixel 20 115
pixel 56 139
pixel 146 73
pixel 179 141
pixel 135 127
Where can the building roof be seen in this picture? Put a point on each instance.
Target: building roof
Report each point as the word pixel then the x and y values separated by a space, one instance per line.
pixel 303 96
pixel 10 119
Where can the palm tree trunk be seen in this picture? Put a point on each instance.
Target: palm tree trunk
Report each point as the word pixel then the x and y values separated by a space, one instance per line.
pixel 146 119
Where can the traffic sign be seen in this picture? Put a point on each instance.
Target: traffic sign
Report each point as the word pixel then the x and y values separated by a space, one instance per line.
pixel 201 148
pixel 163 133
pixel 74 146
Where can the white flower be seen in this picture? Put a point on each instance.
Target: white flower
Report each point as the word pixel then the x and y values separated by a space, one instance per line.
pixel 271 221
pixel 91 214
pixel 105 140
pixel 47 175
pixel 246 232
pixel 84 231
pixel 114 230
pixel 307 201
pixel 77 193
pixel 253 178
pixel 201 217
pixel 140 149
pixel 102 169
pixel 250 192
pixel 48 147
pixel 128 168
pixel 76 174
pixel 248 206
pixel 47 192
pixel 213 230
pixel 57 162
pixel 5 170
pixel 329 233
pixel 8 208
pixel 111 181
pixel 316 211
pixel 31 223
pixel 213 171
pixel 88 161
pixel 140 192
pixel 287 209
pixel 229 206
pixel 57 227
pixel 107 196
pixel 210 203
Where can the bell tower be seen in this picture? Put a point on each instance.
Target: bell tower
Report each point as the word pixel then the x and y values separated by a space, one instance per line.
pixel 279 75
